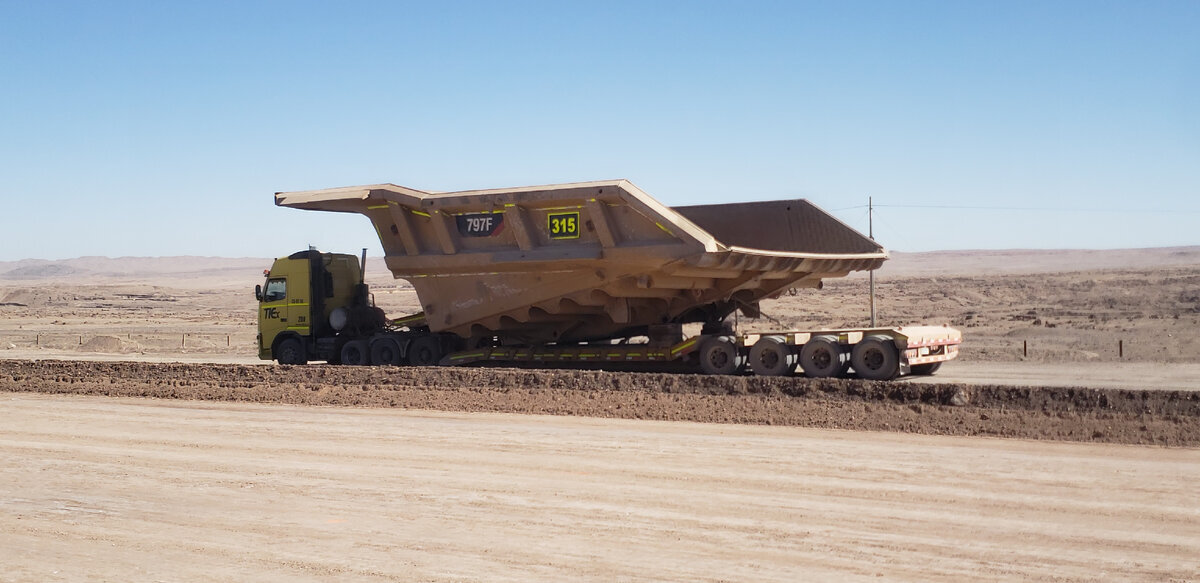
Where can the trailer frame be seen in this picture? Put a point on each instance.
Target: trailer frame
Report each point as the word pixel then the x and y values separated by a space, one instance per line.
pixel 914 346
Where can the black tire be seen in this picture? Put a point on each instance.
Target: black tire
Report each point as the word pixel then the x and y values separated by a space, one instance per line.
pixel 823 357
pixel 772 357
pixel 876 358
pixel 355 353
pixel 386 352
pixel 719 355
pixel 926 369
pixel 425 351
pixel 290 351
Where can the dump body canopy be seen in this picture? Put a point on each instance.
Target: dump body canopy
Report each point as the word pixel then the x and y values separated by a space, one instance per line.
pixel 592 260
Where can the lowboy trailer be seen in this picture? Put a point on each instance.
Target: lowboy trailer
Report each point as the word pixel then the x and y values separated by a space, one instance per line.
pixel 875 353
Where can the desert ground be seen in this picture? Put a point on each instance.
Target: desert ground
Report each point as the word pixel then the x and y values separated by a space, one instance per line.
pixel 143 440
pixel 1053 307
pixel 168 490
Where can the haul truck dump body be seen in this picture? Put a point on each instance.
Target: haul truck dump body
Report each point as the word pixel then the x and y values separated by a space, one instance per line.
pixel 592 260
pixel 560 266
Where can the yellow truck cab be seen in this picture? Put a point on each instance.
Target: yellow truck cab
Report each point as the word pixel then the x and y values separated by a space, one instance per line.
pixel 296 320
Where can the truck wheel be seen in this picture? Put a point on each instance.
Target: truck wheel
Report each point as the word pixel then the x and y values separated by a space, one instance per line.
pixel 355 353
pixel 290 351
pixel 822 357
pixel 772 357
pixel 876 358
pixel 719 355
pixel 385 351
pixel 926 369
pixel 425 351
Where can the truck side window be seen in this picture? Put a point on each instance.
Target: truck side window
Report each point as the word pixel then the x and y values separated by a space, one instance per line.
pixel 276 290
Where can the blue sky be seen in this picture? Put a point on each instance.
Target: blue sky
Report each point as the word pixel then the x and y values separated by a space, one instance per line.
pixel 164 128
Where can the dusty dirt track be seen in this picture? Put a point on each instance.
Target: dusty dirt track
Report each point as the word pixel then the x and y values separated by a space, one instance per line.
pixel 115 489
pixel 1075 414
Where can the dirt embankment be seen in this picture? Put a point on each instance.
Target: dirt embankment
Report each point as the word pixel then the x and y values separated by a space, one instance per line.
pixel 1072 414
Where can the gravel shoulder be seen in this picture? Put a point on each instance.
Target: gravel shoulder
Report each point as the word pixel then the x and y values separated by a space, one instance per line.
pixel 1153 417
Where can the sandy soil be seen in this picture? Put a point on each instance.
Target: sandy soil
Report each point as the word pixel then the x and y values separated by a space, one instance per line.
pixel 457 475
pixel 164 490
pixel 1013 306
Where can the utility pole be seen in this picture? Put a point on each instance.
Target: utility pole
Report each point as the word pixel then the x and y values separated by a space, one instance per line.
pixel 871 234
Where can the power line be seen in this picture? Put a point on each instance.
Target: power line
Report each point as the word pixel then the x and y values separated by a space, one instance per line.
pixel 1021 208
pixel 1040 209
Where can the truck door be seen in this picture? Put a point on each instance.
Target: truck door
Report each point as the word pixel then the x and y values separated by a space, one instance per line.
pixel 285 302
pixel 272 313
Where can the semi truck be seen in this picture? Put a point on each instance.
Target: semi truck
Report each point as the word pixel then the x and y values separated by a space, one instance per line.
pixel 594 274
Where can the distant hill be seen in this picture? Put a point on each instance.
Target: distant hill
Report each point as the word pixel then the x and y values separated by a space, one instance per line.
pixel 245 271
pixel 39 270
pixel 214 271
pixel 982 262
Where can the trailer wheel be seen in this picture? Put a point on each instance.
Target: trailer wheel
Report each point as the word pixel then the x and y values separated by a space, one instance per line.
pixel 355 353
pixel 290 351
pixel 385 351
pixel 772 357
pixel 876 358
pixel 823 357
pixel 719 355
pixel 926 369
pixel 425 351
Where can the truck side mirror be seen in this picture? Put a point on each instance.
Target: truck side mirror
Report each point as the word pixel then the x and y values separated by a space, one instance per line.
pixel 258 292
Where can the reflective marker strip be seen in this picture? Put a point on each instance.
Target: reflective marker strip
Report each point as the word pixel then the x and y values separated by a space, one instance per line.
pixel 683 346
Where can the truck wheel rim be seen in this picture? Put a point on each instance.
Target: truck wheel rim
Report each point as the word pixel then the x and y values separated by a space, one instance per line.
pixel 769 358
pixel 822 359
pixel 718 358
pixel 873 359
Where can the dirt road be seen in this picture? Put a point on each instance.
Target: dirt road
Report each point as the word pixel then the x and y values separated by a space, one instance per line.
pixel 100 488
pixel 1177 376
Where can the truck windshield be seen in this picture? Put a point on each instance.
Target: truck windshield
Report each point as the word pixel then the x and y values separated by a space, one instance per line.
pixel 276 290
